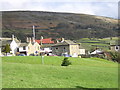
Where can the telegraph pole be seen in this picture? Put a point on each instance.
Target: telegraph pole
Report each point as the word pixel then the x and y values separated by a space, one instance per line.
pixel 34 33
pixel 41 40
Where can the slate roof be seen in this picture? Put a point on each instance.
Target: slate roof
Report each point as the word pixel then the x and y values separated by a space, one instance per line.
pixel 5 41
pixel 23 44
pixel 66 42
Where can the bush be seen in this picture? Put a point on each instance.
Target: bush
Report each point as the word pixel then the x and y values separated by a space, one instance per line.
pixel 115 56
pixel 66 62
pixel 85 56
pixel 7 49
pixel 99 56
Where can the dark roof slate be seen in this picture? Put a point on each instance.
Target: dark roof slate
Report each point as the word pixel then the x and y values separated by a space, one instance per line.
pixel 65 42
pixel 23 44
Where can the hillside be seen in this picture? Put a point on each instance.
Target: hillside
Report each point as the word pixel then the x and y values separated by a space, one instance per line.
pixel 55 25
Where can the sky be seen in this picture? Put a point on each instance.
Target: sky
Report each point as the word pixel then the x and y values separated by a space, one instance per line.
pixel 107 8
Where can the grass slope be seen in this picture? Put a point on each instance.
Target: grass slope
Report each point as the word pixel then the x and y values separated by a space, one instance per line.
pixel 28 72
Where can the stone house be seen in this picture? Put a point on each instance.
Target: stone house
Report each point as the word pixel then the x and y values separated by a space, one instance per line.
pixel 66 47
pixel 115 46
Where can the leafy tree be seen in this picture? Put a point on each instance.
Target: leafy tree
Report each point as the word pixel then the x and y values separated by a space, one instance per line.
pixel 7 49
pixel 66 62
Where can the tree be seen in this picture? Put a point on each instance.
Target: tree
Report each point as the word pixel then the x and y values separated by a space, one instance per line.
pixel 66 62
pixel 7 49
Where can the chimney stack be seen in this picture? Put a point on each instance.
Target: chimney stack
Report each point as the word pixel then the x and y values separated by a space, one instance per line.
pixel 41 40
pixel 62 39
pixel 33 39
pixel 30 40
pixel 12 37
pixel 27 40
pixel 34 31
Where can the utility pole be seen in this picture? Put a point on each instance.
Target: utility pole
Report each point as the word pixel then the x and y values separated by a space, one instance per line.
pixel 41 40
pixel 34 33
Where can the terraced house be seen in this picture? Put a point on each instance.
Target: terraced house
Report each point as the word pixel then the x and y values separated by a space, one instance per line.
pixel 30 47
pixel 27 48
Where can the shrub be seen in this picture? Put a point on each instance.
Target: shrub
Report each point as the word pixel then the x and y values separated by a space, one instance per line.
pixel 85 56
pixel 66 62
pixel 99 56
pixel 7 49
pixel 115 56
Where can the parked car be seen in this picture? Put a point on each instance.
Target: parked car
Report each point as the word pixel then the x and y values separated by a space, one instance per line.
pixel 21 55
pixel 8 54
pixel 52 55
pixel 31 55
pixel 66 55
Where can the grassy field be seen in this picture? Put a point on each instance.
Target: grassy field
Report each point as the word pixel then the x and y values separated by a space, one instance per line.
pixel 29 72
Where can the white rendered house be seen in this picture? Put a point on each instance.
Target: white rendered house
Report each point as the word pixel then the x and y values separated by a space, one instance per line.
pixel 13 46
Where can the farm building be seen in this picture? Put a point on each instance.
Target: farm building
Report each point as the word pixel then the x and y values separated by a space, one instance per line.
pixel 66 47
pixel 115 46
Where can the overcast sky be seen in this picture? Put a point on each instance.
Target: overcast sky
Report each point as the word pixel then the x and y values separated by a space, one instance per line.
pixel 108 8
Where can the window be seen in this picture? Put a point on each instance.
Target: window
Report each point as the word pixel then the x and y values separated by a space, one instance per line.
pixel 116 48
pixel 56 48
pixel 24 47
pixel 17 49
pixel 64 47
pixel 79 46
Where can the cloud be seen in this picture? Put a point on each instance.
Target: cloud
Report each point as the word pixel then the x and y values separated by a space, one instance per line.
pixel 106 8
pixel 75 8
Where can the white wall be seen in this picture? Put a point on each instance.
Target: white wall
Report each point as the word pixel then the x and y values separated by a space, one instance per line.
pixel 21 49
pixel 82 51
pixel 13 47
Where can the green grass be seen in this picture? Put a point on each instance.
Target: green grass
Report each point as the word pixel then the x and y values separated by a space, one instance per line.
pixel 90 46
pixel 108 39
pixel 29 72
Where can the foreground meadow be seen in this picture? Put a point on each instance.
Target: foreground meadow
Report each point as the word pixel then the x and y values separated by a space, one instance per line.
pixel 29 72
